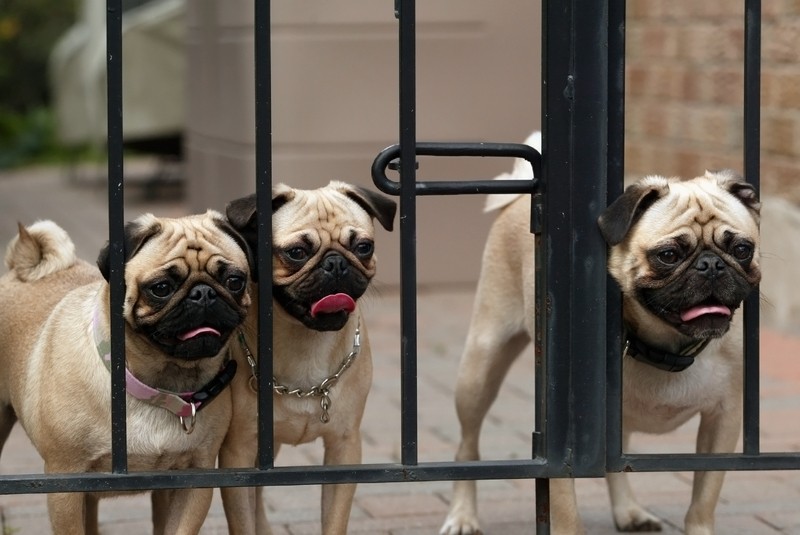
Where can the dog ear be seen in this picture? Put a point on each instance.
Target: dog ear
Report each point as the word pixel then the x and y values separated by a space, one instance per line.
pixel 242 214
pixel 136 234
pixel 381 208
pixel 228 229
pixel 281 194
pixel 737 186
pixel 618 219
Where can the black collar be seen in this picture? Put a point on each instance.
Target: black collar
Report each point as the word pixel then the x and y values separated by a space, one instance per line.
pixel 662 360
pixel 216 385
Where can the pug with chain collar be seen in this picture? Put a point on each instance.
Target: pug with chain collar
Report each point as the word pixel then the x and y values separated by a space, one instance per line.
pixel 685 255
pixel 323 261
pixel 186 293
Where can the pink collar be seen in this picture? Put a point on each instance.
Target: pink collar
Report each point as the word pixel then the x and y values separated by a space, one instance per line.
pixel 184 405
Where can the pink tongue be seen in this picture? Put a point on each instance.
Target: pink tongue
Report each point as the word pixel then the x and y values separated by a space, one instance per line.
pixel 702 310
pixel 333 303
pixel 197 332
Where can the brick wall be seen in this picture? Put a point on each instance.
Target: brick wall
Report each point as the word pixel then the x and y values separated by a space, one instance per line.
pixel 684 89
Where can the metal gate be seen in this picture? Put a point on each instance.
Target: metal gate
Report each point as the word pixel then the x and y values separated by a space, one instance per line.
pixel 578 392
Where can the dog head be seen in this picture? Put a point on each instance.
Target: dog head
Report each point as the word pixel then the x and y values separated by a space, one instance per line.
pixel 323 247
pixel 685 253
pixel 186 282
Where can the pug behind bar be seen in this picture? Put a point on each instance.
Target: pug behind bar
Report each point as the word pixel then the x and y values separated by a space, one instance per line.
pixel 323 261
pixel 685 254
pixel 186 292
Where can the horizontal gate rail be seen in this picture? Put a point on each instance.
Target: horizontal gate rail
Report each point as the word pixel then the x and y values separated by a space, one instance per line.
pixel 697 462
pixel 276 476
pixel 376 473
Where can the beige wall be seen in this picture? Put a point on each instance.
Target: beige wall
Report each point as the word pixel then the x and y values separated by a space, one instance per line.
pixel 335 105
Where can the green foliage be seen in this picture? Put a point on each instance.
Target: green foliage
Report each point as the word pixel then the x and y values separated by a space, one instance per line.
pixel 28 31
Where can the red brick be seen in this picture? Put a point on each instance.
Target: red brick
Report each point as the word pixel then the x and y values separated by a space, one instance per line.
pixel 781 43
pixel 643 9
pixel 719 9
pixel 636 80
pixel 792 7
pixel 778 135
pixel 726 86
pixel 781 89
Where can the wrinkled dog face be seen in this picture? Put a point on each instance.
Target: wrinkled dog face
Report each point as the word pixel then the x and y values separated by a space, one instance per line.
pixel 186 283
pixel 323 248
pixel 686 252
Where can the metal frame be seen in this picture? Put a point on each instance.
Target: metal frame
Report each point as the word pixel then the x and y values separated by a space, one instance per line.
pixel 578 398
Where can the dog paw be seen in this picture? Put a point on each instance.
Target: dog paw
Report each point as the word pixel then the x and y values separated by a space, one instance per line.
pixel 460 525
pixel 636 520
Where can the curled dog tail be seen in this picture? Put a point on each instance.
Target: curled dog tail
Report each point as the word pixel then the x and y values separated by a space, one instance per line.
pixel 39 250
pixel 522 171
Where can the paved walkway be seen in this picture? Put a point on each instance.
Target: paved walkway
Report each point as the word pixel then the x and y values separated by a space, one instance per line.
pixel 752 503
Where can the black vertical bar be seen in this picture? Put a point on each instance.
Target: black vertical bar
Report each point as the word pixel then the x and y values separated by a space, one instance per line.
pixel 616 175
pixel 263 110
pixel 408 232
pixel 574 177
pixel 585 195
pixel 547 436
pixel 116 235
pixel 542 506
pixel 752 171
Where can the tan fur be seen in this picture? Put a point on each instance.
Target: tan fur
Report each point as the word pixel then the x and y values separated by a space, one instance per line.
pixel 303 358
pixel 40 250
pixel 56 384
pixel 654 401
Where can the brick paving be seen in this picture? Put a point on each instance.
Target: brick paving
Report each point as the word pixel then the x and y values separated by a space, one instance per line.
pixel 752 503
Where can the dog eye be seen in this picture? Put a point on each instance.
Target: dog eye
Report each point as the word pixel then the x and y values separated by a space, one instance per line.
pixel 297 254
pixel 161 290
pixel 669 256
pixel 235 283
pixel 742 251
pixel 364 248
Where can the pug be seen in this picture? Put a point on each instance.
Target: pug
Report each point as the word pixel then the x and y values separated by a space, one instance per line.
pixel 186 294
pixel 685 255
pixel 323 259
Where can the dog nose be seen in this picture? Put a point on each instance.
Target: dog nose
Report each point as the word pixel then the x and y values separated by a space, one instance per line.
pixel 335 264
pixel 709 265
pixel 202 294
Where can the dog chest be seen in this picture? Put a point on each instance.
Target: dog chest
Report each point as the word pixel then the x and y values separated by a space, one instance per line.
pixel 656 401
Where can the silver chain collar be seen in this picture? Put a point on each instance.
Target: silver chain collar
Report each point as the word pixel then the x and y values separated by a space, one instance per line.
pixel 321 391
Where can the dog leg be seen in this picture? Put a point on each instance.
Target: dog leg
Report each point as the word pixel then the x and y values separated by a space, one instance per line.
pixel 337 500
pixel 187 510
pixel 244 506
pixel 262 526
pixel 90 515
pixel 67 513
pixel 718 433
pixel 159 504
pixel 629 515
pixel 485 363
pixel 564 517
pixel 241 505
